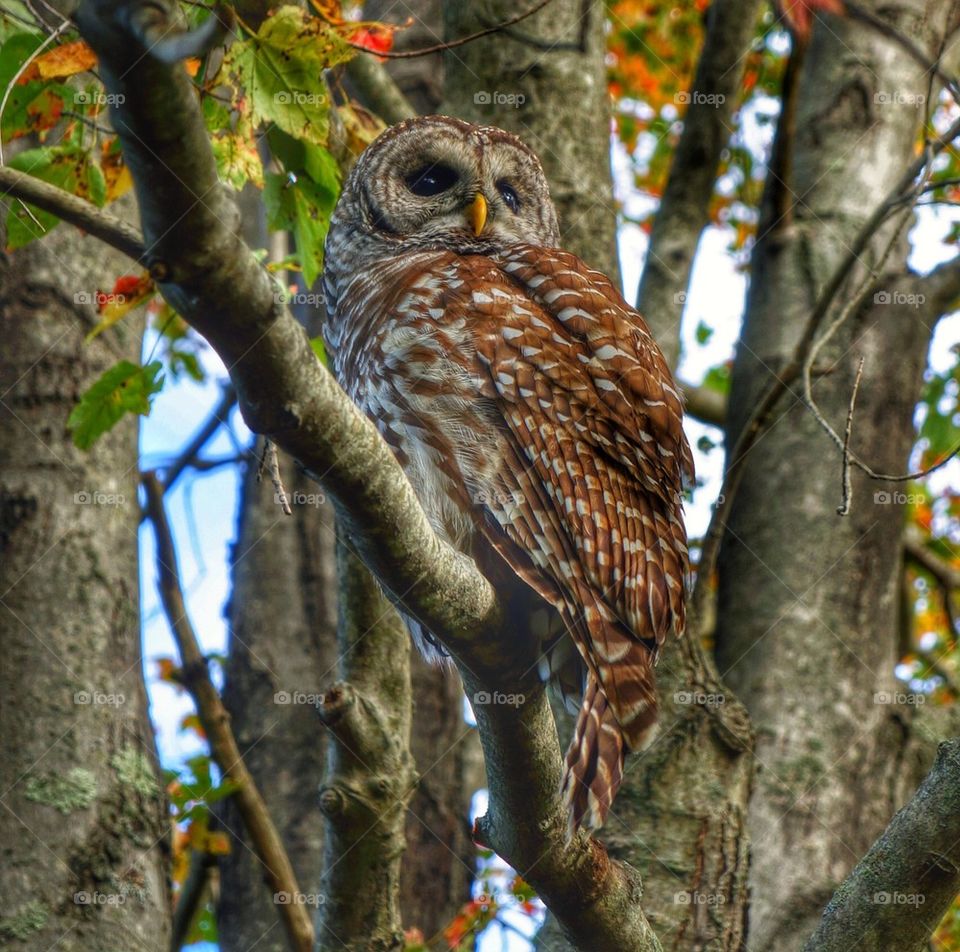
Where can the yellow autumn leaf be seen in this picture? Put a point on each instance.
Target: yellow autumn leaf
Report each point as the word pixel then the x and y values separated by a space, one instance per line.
pixel 66 60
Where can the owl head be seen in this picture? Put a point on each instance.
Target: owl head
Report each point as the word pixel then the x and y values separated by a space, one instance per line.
pixel 439 182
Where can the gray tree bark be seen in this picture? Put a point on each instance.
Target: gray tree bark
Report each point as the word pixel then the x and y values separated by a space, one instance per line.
pixel 545 80
pixel 84 826
pixel 282 653
pixel 808 601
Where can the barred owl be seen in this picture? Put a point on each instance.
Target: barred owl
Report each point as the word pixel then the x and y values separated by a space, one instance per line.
pixel 530 408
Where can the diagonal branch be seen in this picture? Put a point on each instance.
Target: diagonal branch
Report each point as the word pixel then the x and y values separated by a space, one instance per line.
pixel 85 215
pixel 211 278
pixel 900 890
pixel 216 723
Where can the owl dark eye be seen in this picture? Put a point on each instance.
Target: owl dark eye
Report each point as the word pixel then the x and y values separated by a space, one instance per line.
pixel 509 196
pixel 432 180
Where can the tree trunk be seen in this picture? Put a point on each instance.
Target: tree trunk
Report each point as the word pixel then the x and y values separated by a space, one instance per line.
pixel 808 600
pixel 84 826
pixel 545 80
pixel 282 654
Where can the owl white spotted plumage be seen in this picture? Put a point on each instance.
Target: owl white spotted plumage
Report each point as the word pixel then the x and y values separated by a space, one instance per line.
pixel 529 406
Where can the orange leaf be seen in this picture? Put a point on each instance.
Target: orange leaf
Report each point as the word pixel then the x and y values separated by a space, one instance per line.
pixel 192 65
pixel 66 60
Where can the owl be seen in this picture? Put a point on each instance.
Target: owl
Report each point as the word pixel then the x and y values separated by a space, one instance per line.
pixel 531 410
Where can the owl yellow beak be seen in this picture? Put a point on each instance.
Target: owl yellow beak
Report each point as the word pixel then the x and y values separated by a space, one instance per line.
pixel 477 213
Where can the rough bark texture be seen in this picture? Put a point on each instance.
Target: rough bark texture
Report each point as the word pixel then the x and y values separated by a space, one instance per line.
pixel 907 881
pixel 282 653
pixel 370 772
pixel 83 824
pixel 438 865
pixel 807 614
pixel 545 80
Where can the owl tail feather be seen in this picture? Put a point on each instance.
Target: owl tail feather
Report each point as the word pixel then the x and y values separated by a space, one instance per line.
pixel 594 762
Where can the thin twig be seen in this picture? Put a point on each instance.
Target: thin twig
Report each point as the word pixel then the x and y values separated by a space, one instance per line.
pixel 269 460
pixel 781 383
pixel 216 724
pixel 188 456
pixel 453 44
pixel 844 508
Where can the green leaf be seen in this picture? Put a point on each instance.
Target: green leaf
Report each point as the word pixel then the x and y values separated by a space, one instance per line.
pixel 316 343
pixel 703 333
pixel 32 106
pixel 124 388
pixel 718 378
pixel 281 70
pixel 304 207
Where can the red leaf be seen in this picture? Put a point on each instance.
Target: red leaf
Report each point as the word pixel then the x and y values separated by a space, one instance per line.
pixel 799 13
pixel 374 37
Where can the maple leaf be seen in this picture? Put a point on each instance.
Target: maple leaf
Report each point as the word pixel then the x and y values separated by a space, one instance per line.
pixel 376 37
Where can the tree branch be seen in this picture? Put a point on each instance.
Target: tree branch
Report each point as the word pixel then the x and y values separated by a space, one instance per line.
pixel 704 404
pixel 378 90
pixel 216 724
pixel 684 208
pixel 213 280
pixel 85 215
pixel 903 886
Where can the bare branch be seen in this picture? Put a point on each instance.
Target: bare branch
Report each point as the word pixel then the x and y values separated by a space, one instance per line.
pixel 903 886
pixel 378 90
pixel 216 724
pixel 213 280
pixel 188 455
pixel 85 215
pixel 704 404
pixel 905 186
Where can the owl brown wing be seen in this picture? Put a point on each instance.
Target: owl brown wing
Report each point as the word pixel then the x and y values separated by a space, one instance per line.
pixel 591 404
pixel 593 471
